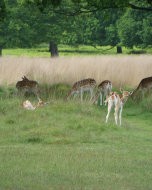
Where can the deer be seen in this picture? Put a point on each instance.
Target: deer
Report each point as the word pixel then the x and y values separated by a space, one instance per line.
pixel 79 87
pixel 117 101
pixel 103 90
pixel 26 85
pixel 144 85
pixel 29 106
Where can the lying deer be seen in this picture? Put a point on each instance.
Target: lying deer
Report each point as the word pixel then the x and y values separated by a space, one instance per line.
pixel 117 101
pixel 29 106
pixel 81 86
pixel 104 89
pixel 27 85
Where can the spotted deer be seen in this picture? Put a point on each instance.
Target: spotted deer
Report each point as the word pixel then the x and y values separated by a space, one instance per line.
pixel 82 86
pixel 145 85
pixel 26 85
pixel 104 89
pixel 117 101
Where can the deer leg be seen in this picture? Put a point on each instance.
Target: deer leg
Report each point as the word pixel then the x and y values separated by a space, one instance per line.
pixel 20 93
pixel 81 94
pixel 75 95
pixel 109 110
pixel 120 115
pixel 101 99
pixel 95 98
pixel 143 94
pixel 37 95
pixel 91 94
pixel 104 97
pixel 116 114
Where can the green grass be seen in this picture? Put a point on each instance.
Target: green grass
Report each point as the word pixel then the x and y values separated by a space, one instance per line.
pixel 65 50
pixel 67 145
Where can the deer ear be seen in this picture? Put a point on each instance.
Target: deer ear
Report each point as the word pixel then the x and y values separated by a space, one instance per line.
pixel 131 92
pixel 121 90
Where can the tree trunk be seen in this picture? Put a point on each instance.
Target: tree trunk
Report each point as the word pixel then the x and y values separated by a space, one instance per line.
pixel 1 51
pixel 53 48
pixel 119 49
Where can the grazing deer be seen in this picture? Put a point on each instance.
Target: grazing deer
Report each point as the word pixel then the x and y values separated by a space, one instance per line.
pixel 117 101
pixel 81 86
pixel 27 85
pixel 144 85
pixel 104 89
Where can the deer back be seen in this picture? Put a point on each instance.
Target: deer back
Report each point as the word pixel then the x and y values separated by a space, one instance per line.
pixel 85 82
pixel 26 83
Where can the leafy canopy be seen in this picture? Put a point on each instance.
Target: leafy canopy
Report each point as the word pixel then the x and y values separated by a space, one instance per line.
pixel 74 7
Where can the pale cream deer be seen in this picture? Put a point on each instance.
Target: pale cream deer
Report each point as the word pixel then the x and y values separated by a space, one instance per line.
pixel 85 85
pixel 104 89
pixel 117 101
pixel 29 106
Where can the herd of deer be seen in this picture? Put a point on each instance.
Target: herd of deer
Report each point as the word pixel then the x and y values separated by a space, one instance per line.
pixel 103 93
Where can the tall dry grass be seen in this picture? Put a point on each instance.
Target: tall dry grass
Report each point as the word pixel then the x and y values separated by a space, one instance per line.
pixel 121 70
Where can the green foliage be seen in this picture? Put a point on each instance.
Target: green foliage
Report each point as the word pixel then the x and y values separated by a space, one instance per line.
pixel 112 35
pixel 127 27
pixel 134 29
pixel 87 5
pixel 73 23
pixel 2 10
pixel 147 31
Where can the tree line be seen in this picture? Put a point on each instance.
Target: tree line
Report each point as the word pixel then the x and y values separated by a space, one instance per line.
pixel 28 23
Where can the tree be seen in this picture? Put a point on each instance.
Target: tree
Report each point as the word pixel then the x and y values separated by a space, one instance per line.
pixel 27 26
pixel 85 6
pixel 2 17
pixel 17 26
pixel 2 10
pixel 30 24
pixel 147 31
pixel 134 29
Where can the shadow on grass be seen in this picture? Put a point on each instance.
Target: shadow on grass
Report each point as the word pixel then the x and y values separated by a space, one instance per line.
pixel 77 51
pixel 34 140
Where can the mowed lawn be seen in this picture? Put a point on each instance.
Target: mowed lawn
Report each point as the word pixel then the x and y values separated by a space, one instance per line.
pixel 67 145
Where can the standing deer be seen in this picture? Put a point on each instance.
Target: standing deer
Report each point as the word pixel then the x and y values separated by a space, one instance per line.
pixel 104 89
pixel 81 86
pixel 117 101
pixel 144 85
pixel 27 85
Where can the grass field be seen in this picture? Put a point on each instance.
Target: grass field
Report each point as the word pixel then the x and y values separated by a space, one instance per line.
pixel 67 145
pixel 64 50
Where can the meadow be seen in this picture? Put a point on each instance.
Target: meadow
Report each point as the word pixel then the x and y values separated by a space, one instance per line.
pixel 67 145
pixel 81 50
